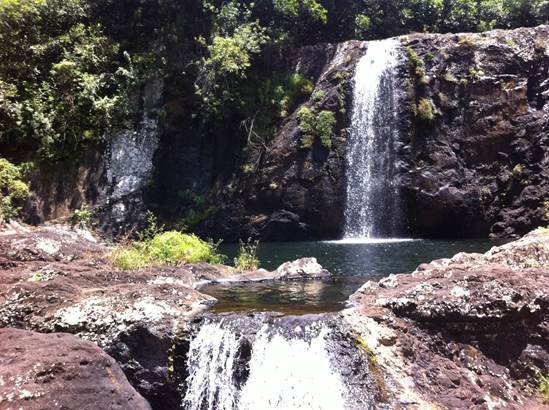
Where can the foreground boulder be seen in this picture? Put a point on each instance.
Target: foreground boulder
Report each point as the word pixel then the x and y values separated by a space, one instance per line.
pixel 467 332
pixel 41 371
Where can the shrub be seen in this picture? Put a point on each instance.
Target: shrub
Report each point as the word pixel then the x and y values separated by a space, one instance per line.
pixel 82 216
pixel 12 190
pixel 325 127
pixel 315 124
pixel 168 248
pixel 425 110
pixel 247 256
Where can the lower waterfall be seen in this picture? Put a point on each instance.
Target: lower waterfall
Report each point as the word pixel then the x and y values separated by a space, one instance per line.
pixel 279 367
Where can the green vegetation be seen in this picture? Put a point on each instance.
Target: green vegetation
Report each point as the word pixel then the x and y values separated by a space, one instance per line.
pixel 425 110
pixel 82 217
pixel 543 386
pixel 316 124
pixel 12 190
pixel 69 69
pixel 247 259
pixel 374 369
pixel 168 248
pixel 63 82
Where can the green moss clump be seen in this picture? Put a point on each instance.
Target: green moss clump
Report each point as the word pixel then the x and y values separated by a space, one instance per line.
pixel 425 110
pixel 325 127
pixel 318 96
pixel 314 124
pixel 168 248
pixel 543 387
pixel 375 370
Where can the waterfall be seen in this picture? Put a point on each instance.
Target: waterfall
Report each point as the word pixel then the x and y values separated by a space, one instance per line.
pixel 372 207
pixel 281 367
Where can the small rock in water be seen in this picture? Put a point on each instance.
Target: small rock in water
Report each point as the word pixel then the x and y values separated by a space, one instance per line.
pixel 302 268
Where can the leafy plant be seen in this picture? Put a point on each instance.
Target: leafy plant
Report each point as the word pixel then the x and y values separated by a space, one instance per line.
pixel 152 229
pixel 12 190
pixel 82 216
pixel 247 259
pixel 63 82
pixel 543 386
pixel 314 124
pixel 425 110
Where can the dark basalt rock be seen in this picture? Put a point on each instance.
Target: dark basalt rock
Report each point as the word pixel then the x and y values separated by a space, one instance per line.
pixel 296 192
pixel 56 279
pixel 45 371
pixel 479 168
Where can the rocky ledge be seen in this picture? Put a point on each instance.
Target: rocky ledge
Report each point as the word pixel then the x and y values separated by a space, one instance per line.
pixel 54 279
pixel 467 332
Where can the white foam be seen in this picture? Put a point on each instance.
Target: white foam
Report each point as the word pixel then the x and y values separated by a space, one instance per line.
pixel 366 241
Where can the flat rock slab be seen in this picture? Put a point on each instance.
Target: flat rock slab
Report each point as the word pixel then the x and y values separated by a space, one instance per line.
pixel 48 371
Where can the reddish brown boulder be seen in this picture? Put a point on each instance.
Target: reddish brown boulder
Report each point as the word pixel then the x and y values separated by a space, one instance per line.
pixel 46 371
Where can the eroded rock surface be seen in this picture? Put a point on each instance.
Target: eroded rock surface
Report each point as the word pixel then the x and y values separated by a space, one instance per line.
pixel 480 164
pixel 54 279
pixel 46 371
pixel 467 332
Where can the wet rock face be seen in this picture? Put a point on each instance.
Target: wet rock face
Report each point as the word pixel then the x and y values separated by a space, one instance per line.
pixel 480 166
pixel 265 360
pixel 55 279
pixel 43 371
pixel 465 332
pixel 296 192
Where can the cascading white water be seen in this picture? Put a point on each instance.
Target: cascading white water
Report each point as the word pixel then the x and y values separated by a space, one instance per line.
pixel 211 361
pixel 372 208
pixel 284 372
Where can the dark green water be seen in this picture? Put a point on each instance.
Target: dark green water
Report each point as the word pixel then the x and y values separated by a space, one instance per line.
pixel 351 263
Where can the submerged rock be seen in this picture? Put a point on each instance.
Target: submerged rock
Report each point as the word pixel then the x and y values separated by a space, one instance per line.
pixel 466 332
pixel 46 371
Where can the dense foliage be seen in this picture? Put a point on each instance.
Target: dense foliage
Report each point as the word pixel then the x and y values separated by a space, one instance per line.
pixel 67 67
pixel 62 80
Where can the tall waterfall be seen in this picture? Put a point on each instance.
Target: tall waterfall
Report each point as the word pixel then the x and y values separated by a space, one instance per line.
pixel 372 206
pixel 279 368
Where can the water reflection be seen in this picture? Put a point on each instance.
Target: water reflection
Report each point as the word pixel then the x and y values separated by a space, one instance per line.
pixel 351 263
pixel 294 297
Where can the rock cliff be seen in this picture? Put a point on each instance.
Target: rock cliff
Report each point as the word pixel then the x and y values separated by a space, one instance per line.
pixel 473 156
pixel 473 149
